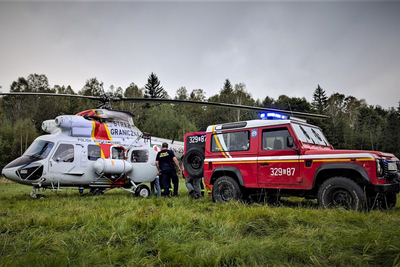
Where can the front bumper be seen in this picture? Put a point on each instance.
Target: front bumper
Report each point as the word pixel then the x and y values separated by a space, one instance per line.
pixel 385 188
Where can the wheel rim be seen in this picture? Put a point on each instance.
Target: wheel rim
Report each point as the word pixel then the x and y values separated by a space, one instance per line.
pixel 342 198
pixel 195 162
pixel 143 193
pixel 226 192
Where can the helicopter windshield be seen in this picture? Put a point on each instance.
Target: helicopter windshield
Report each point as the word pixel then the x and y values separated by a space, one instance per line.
pixel 39 149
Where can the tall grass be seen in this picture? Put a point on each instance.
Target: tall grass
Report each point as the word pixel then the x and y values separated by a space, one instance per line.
pixel 118 229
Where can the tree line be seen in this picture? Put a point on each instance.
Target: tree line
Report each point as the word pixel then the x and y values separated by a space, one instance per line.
pixel 352 123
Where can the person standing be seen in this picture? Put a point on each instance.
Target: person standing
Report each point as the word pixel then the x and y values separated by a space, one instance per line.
pixel 155 185
pixel 166 170
pixel 192 184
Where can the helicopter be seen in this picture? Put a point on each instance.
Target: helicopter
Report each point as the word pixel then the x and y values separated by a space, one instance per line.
pixel 98 149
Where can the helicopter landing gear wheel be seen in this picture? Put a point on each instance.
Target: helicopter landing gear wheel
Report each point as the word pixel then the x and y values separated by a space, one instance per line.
pixel 142 191
pixel 96 191
pixel 37 196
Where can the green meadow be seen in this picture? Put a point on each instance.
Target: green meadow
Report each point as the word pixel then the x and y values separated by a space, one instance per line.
pixel 119 229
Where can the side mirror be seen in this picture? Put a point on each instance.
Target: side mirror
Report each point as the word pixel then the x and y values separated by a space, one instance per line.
pixel 290 141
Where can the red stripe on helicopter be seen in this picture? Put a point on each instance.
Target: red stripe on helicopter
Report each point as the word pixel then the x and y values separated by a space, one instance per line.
pixel 100 130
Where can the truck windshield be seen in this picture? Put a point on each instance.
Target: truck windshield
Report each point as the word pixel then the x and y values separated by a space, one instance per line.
pixel 39 149
pixel 311 135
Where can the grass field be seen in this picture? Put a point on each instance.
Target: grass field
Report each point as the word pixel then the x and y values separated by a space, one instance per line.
pixel 118 229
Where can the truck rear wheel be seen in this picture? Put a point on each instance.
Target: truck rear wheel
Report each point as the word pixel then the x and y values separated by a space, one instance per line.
pixel 225 189
pixel 341 192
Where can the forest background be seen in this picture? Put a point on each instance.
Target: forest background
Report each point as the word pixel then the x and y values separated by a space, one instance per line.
pixel 352 123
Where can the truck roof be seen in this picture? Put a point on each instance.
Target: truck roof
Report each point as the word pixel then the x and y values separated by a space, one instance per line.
pixel 252 124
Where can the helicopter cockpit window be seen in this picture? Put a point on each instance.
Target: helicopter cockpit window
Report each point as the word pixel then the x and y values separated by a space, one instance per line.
pixel 64 153
pixel 140 156
pixel 39 149
pixel 94 152
pixel 117 153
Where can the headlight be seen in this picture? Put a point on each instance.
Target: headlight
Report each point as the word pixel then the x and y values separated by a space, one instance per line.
pixel 379 168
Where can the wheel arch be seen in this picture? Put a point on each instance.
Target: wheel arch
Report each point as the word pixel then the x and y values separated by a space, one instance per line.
pixel 228 171
pixel 352 171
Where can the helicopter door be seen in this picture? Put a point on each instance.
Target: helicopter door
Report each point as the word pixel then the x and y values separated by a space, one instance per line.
pixel 143 162
pixel 63 161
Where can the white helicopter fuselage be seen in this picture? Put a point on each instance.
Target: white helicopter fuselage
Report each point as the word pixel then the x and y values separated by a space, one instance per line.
pixel 87 152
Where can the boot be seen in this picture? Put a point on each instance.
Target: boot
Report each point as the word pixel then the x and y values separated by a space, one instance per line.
pixel 193 194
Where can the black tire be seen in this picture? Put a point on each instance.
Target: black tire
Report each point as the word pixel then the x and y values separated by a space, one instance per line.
pixel 194 162
pixel 225 189
pixel 341 192
pixel 97 191
pixel 142 191
pixel 382 201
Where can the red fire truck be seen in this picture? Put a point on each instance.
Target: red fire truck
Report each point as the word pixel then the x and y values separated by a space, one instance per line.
pixel 267 159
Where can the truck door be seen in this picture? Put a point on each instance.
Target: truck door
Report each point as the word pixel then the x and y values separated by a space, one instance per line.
pixel 277 163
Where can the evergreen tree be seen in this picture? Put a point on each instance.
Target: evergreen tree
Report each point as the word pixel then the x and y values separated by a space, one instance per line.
pixel 227 90
pixel 153 88
pixel 319 100
pixel 225 96
pixel 268 102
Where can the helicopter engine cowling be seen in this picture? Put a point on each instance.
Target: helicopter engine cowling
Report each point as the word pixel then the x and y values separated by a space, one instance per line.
pixel 111 166
pixel 49 126
pixel 78 125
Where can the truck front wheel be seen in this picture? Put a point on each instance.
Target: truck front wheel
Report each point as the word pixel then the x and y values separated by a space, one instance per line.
pixel 341 192
pixel 225 189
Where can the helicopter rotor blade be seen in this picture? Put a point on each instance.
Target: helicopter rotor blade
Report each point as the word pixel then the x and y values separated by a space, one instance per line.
pixel 98 98
pixel 106 100
pixel 226 105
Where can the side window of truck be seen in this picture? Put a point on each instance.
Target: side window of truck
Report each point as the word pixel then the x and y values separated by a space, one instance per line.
pixel 275 139
pixel 231 141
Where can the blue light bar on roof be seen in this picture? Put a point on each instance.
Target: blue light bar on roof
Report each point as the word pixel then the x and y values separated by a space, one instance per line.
pixel 273 116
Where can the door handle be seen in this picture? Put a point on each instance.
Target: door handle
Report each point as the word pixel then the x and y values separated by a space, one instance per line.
pixel 264 164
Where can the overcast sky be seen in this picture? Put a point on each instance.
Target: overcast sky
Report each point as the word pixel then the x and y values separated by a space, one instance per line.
pixel 274 48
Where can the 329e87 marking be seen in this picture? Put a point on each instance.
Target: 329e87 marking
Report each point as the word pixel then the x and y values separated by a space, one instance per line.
pixel 283 171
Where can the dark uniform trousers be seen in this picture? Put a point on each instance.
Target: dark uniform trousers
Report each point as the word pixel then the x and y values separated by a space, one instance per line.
pixel 166 177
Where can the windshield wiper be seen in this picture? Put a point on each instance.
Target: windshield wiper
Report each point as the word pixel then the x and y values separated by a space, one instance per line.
pixel 306 134
pixel 35 156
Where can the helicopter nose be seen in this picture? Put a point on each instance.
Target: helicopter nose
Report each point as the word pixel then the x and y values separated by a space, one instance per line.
pixel 10 174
